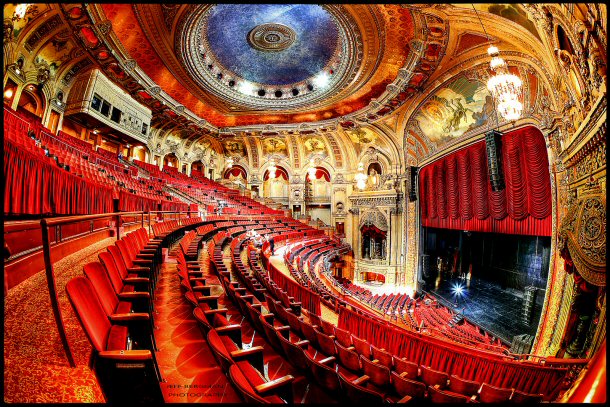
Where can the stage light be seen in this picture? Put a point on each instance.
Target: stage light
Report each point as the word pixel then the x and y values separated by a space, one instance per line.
pixel 458 289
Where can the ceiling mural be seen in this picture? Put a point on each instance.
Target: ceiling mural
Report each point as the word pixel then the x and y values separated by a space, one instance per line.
pixel 56 52
pixel 362 137
pixel 454 109
pixel 274 145
pixel 235 147
pixel 512 12
pixel 314 145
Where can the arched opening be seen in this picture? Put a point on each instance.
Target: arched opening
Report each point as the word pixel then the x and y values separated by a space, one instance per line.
pixel 198 169
pixel 237 175
pixel 489 247
pixel 9 92
pixel 318 195
pixel 276 187
pixel 170 160
pixel 31 102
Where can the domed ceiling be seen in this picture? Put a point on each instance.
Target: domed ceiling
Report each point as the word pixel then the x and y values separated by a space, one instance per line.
pixel 239 65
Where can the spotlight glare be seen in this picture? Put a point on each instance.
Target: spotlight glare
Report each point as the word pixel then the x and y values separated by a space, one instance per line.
pixel 246 88
pixel 321 80
pixel 458 289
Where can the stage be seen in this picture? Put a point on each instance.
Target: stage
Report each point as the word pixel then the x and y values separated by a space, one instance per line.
pixel 498 311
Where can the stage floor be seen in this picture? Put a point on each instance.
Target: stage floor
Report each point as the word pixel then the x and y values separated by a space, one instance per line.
pixel 496 310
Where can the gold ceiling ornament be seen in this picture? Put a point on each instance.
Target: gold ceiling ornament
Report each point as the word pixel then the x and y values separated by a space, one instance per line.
pixel 505 87
pixel 583 233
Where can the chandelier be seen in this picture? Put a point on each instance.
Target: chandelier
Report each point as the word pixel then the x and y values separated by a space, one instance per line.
pixel 272 168
pixel 20 11
pixel 504 86
pixel 360 177
pixel 229 162
pixel 312 170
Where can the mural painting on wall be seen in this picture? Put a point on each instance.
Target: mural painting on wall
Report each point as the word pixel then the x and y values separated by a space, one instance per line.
pixel 17 25
pixel 361 138
pixel 235 148
pixel 512 12
pixel 274 146
pixel 314 145
pixel 456 108
pixel 55 52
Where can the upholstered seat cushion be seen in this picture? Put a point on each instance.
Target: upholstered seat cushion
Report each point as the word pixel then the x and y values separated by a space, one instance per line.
pixel 243 381
pixel 117 338
pixel 124 307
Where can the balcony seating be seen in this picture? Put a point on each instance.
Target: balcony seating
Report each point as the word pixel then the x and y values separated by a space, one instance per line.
pixel 254 389
pixel 463 386
pixel 121 281
pixel 295 352
pixel 326 344
pixel 343 337
pixel 437 395
pixel 383 357
pixel 404 366
pixel 227 353
pixel 492 394
pixel 362 347
pixel 124 374
pixel 378 374
pixel 433 377
pixel 309 333
pixel 404 386
pixel 324 373
pixel 348 358
pixel 356 391
pixel 520 397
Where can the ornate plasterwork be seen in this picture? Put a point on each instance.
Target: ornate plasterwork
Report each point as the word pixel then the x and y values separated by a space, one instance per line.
pixel 374 217
pixel 583 232
pixel 271 37
pixel 196 56
pixel 373 200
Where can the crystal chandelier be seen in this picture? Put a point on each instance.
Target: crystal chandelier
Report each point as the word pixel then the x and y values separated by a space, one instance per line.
pixel 360 177
pixel 229 162
pixel 20 11
pixel 504 87
pixel 272 168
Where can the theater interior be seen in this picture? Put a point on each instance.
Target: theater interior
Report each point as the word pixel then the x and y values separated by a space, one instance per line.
pixel 304 203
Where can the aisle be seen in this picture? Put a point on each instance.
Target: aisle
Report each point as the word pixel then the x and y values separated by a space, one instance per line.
pixel 188 367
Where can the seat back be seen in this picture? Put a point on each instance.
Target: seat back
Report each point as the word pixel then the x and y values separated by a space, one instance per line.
pixel 96 273
pixel 219 350
pixel 126 252
pixel 309 333
pixel 295 323
pixel 325 375
pixel 358 393
pixel 408 387
pixel 90 311
pixel 521 397
pixel 384 358
pixel 326 344
pixel 348 358
pixel 271 334
pixel 362 347
pixel 327 327
pixel 294 353
pixel 203 322
pixel 315 319
pixel 379 375
pixel 433 377
pixel 244 387
pixel 463 386
pixel 121 265
pixel 343 337
pixel 109 263
pixel 492 394
pixel 402 365
pixel 439 396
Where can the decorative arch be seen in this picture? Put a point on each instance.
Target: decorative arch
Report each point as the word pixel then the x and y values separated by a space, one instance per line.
pixel 280 172
pixel 321 172
pixel 235 171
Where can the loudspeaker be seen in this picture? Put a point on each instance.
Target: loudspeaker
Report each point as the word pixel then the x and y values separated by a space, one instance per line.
pixel 412 189
pixel 493 146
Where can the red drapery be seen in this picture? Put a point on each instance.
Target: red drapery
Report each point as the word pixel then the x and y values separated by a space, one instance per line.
pixel 235 171
pixel 129 202
pixel 456 193
pixel 37 187
pixel 470 364
pixel 279 173
pixel 373 230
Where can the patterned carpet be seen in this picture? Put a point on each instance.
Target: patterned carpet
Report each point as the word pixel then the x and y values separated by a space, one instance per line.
pixel 36 369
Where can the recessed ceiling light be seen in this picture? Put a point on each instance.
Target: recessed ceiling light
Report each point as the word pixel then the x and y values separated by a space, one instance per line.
pixel 246 88
pixel 321 80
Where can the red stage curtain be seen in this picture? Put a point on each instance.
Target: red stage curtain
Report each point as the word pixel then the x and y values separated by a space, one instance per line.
pixel 456 193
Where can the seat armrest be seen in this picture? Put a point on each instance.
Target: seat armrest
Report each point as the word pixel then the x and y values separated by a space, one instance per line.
pixel 245 353
pixel 361 380
pixel 138 270
pixel 303 344
pixel 228 328
pixel 353 348
pixel 136 280
pixel 257 305
pixel 327 360
pixel 134 295
pixel 403 374
pixel 126 355
pixel 274 384
pixel 132 316
pixel 405 399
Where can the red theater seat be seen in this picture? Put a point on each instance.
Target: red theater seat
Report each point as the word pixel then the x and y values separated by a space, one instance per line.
pixel 439 396
pixel 405 366
pixel 407 387
pixel 378 374
pixel 520 397
pixel 433 377
pixel 356 391
pixel 492 394
pixel 255 389
pixel 362 347
pixel 463 386
pixel 348 358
